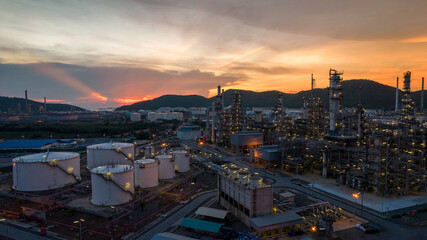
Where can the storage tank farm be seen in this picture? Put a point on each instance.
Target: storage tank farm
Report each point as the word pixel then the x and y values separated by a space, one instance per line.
pixel 112 185
pixel 46 171
pixel 110 153
pixel 182 160
pixel 146 173
pixel 166 166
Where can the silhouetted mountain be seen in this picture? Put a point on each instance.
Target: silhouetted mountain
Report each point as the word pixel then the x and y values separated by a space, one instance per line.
pixel 8 104
pixel 169 101
pixel 373 95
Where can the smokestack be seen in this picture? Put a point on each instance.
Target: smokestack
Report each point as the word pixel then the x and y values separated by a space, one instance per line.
pixel 26 101
pixel 45 106
pixel 396 107
pixel 219 90
pixel 422 95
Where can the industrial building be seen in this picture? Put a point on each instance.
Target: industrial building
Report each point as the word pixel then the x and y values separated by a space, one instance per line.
pixel 266 156
pixel 245 196
pixel 243 141
pixel 188 132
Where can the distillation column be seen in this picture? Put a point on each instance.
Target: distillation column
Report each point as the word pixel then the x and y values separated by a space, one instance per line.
pixel 335 97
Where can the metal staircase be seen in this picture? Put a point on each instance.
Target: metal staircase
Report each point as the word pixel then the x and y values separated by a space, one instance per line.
pixel 117 184
pixel 54 163
pixel 119 150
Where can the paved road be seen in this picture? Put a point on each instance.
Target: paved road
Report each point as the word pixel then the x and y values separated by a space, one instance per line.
pixel 394 230
pixel 176 216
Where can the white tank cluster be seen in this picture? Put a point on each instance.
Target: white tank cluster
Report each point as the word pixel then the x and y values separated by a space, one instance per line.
pixel 112 185
pixel 109 153
pixel 146 173
pixel 45 171
pixel 166 166
pixel 182 160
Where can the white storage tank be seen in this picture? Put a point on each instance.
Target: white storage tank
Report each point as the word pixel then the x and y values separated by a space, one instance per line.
pixel 112 185
pixel 146 173
pixel 45 171
pixel 109 154
pixel 166 166
pixel 244 177
pixel 182 160
pixel 255 182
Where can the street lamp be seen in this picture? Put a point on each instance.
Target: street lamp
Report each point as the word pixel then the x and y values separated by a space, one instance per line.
pixel 80 227
pixel 7 230
pixel 355 196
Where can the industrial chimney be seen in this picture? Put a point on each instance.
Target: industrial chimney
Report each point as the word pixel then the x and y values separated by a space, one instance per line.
pixel 26 101
pixel 422 96
pixel 396 107
pixel 45 106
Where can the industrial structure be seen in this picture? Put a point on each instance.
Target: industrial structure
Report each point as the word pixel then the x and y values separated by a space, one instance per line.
pixel 245 196
pixel 387 159
pixel 112 185
pixel 110 153
pixel 166 166
pixel 46 171
pixel 182 160
pixel 146 173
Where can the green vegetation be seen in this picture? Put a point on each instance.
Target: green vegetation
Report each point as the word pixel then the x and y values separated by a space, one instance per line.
pixel 140 130
pixel 370 98
pixel 11 104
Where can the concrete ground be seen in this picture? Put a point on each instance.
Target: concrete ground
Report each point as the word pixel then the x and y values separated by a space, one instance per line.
pixel 370 200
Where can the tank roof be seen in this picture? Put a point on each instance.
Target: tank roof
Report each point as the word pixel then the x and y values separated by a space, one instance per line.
pixel 145 161
pixel 46 157
pixel 179 151
pixel 164 156
pixel 112 169
pixel 110 145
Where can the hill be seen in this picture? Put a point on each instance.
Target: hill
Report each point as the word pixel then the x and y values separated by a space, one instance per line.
pixel 168 101
pixel 373 96
pixel 8 104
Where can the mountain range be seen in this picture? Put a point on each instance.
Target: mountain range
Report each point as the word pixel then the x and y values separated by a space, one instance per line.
pixel 14 104
pixel 373 95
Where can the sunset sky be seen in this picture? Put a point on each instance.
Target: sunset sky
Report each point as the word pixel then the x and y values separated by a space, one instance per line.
pixel 105 53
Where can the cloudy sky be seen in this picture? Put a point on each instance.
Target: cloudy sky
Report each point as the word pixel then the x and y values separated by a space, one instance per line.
pixel 100 53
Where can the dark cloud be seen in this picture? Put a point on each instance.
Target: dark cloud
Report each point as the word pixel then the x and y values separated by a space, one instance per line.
pixel 111 82
pixel 341 19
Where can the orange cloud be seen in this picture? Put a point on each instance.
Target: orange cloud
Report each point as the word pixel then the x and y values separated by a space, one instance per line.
pixel 99 97
pixel 49 100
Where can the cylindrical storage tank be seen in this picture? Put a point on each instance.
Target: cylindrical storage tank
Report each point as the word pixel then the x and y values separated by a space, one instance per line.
pixel 255 181
pixel 233 172
pixel 146 173
pixel 149 151
pixel 109 154
pixel 112 185
pixel 45 171
pixel 244 177
pixel 166 166
pixel 182 160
